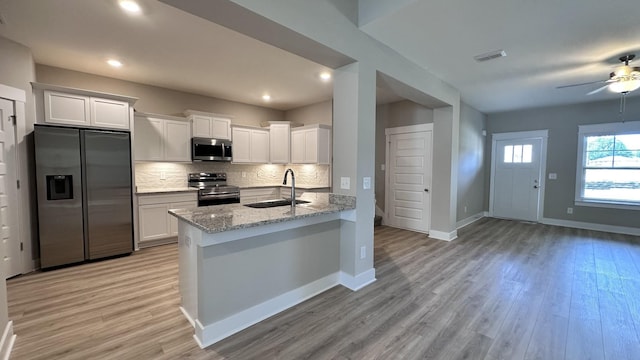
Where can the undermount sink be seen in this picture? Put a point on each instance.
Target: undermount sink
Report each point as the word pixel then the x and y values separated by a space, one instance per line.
pixel 274 203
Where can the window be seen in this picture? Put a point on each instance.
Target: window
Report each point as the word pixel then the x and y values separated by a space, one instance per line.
pixel 609 164
pixel 520 154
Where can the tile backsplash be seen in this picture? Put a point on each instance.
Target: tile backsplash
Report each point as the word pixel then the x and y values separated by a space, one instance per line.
pixel 148 174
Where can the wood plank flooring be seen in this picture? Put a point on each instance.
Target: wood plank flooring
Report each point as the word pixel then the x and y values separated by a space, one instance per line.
pixel 502 290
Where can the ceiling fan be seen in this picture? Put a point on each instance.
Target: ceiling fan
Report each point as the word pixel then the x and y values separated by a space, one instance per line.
pixel 622 80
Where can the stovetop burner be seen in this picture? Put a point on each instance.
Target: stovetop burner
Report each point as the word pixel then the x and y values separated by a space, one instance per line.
pixel 213 189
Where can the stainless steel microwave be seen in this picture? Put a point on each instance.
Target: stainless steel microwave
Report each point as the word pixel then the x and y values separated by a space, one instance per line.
pixel 205 149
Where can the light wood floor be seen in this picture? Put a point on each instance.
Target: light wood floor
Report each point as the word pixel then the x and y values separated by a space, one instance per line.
pixel 502 290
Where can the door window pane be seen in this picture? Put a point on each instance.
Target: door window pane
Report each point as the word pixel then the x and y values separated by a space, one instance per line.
pixel 526 153
pixel 517 154
pixel 508 154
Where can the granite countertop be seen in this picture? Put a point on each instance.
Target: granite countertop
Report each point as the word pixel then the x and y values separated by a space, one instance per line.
pixel 215 219
pixel 302 187
pixel 143 191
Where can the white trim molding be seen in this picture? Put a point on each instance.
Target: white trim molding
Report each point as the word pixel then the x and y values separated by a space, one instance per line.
pixel 471 219
pixel 359 281
pixel 441 235
pixel 592 226
pixel 7 341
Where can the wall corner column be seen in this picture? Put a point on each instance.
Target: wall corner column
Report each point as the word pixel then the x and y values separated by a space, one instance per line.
pixel 354 116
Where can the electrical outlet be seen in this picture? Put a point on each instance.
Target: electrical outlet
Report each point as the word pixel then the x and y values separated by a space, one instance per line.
pixel 382 167
pixel 363 252
pixel 345 183
pixel 553 176
pixel 465 209
pixel 366 183
pixel 163 175
pixel 244 174
pixel 569 210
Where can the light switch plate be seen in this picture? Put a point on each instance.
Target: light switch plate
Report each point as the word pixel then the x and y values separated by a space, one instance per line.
pixel 345 183
pixel 366 183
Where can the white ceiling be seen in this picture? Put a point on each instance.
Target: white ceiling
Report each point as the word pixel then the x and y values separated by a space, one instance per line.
pixel 165 47
pixel 549 43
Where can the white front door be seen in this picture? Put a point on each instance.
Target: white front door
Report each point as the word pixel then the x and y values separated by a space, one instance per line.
pixel 517 177
pixel 10 245
pixel 409 200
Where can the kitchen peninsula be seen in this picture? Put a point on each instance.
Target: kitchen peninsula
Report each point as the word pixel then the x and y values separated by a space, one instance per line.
pixel 239 265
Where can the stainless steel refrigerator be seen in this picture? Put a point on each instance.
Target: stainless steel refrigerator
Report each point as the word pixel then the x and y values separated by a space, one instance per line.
pixel 84 194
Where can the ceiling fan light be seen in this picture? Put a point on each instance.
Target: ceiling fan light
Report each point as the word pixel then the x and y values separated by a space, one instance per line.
pixel 624 86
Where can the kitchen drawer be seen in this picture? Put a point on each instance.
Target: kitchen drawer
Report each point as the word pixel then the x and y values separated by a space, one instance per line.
pixel 167 198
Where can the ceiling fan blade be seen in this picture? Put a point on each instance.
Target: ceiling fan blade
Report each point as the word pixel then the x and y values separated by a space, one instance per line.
pixel 597 90
pixel 581 84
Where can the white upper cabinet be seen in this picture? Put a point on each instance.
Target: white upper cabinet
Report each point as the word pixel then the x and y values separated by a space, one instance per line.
pixel 250 145
pixel 177 144
pixel 149 138
pixel 162 138
pixel 311 145
pixel 279 142
pixel 109 113
pixel 208 125
pixel 65 106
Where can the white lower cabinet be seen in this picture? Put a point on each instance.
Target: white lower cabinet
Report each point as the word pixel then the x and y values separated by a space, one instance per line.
pixel 248 196
pixel 154 221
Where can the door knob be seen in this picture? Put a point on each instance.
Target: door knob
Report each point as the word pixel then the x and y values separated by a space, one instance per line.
pixel 535 186
pixel 426 190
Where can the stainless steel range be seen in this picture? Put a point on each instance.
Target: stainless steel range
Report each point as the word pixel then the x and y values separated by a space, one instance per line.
pixel 213 189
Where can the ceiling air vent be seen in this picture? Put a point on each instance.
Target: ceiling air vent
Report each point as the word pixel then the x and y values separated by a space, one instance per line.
pixel 490 55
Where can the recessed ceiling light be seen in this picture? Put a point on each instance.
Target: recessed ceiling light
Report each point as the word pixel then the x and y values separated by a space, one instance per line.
pixel 114 63
pixel 266 97
pixel 325 76
pixel 130 6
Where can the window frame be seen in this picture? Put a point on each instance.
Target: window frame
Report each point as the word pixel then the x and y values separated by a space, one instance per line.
pixel 618 128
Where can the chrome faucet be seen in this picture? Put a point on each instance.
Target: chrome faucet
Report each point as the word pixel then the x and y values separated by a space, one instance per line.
pixel 293 186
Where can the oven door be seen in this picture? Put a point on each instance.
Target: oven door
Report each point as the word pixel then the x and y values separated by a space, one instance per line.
pixel 218 199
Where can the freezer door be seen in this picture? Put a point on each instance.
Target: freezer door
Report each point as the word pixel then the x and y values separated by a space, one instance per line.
pixel 108 189
pixel 59 191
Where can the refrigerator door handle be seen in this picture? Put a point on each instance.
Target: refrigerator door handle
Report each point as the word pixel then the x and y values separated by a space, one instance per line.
pixel 85 208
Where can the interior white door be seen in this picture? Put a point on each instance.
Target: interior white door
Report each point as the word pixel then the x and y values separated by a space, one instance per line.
pixel 409 200
pixel 11 260
pixel 517 175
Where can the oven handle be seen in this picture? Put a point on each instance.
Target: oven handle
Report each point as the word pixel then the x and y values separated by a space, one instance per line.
pixel 220 196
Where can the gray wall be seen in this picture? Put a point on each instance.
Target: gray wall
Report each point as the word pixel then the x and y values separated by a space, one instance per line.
pixel 401 113
pixel 562 123
pixel 320 113
pixel 17 70
pixel 471 166
pixel 154 99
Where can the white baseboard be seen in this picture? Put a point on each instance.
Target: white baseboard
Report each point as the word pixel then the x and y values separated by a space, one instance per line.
pixel 592 226
pixel 359 281
pixel 379 212
pixel 471 219
pixel 441 235
pixel 6 343
pixel 209 334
